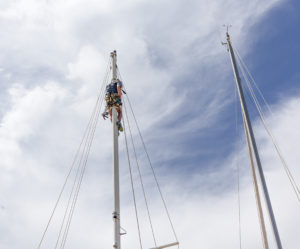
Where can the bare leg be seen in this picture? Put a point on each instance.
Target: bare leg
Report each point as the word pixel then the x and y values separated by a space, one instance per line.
pixel 119 109
pixel 110 114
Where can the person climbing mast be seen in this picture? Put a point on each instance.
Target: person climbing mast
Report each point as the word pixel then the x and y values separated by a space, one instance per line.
pixel 113 98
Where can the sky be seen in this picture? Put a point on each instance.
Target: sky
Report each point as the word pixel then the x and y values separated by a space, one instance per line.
pixel 178 76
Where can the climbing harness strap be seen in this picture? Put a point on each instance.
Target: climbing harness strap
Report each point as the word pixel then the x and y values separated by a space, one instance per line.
pixel 113 100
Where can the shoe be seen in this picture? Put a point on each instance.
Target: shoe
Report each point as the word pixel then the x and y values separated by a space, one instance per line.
pixel 119 126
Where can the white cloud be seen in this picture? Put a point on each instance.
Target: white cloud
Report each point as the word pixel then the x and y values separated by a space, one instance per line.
pixel 169 55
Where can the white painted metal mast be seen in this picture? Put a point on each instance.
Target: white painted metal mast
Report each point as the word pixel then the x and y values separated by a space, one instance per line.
pixel 249 130
pixel 116 212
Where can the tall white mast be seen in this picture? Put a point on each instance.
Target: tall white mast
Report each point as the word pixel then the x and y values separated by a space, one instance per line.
pixel 116 212
pixel 248 129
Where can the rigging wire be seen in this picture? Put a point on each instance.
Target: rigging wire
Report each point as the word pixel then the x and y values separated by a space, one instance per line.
pixel 256 190
pixel 150 163
pixel 68 175
pixel 255 84
pixel 263 118
pixel 140 176
pixel 84 149
pixel 255 185
pixel 80 179
pixel 62 189
pixel 269 131
pixel 254 180
pixel 67 208
pixel 83 163
pixel 238 170
pixel 153 172
pixel 132 185
pixel 79 169
pixel 85 135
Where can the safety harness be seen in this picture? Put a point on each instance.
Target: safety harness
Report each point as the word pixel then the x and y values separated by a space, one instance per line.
pixel 111 97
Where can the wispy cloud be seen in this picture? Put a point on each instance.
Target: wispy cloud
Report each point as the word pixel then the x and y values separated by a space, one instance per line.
pixel 53 58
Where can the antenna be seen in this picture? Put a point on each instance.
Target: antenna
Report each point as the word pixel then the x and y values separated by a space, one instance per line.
pixel 227 26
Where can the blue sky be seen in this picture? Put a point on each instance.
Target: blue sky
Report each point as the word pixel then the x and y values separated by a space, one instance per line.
pixel 53 57
pixel 277 52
